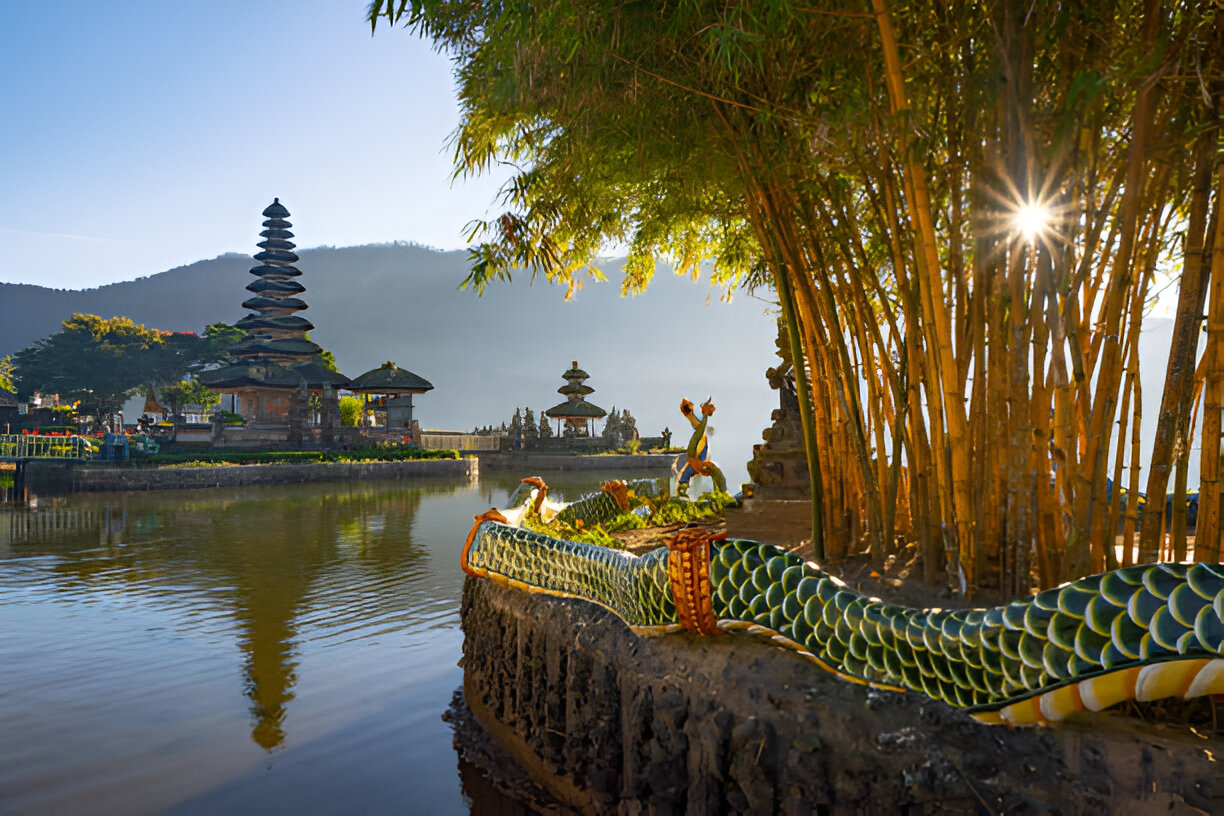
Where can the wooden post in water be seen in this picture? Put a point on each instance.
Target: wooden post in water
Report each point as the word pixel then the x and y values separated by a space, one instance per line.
pixel 19 488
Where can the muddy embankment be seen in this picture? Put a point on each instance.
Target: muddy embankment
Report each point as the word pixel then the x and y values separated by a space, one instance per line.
pixel 609 722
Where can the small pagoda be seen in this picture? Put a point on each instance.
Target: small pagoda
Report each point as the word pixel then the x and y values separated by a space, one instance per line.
pixel 388 391
pixel 275 361
pixel 578 415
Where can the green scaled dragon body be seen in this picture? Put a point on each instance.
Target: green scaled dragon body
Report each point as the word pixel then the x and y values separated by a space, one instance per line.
pixel 1143 632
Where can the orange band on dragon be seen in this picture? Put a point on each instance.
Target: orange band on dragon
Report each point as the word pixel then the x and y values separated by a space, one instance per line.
pixel 688 567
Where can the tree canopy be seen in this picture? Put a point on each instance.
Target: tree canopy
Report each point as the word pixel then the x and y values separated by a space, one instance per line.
pixel 350 411
pixel 220 337
pixel 620 427
pixel 188 391
pixel 6 373
pixel 101 361
pixel 963 209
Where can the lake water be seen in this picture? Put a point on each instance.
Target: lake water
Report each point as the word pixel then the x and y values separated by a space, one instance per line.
pixel 272 650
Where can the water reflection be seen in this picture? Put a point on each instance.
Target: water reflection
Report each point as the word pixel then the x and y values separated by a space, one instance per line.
pixel 236 649
pixel 257 552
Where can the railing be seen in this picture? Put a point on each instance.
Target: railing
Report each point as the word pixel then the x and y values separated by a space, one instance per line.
pixel 14 446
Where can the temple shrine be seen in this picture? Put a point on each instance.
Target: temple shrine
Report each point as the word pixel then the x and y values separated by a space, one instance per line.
pixel 387 392
pixel 578 415
pixel 275 368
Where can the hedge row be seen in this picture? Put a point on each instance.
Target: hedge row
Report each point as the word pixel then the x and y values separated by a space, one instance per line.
pixel 370 453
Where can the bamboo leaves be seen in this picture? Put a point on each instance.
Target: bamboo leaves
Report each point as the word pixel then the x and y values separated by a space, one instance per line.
pixel 973 386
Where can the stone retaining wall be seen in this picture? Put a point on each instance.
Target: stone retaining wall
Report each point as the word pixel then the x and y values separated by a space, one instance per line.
pixel 47 479
pixel 612 723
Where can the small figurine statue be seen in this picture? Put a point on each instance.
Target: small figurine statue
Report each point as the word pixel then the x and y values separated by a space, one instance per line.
pixel 698 452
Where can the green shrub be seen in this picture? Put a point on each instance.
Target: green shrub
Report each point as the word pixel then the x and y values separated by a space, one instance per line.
pixel 350 411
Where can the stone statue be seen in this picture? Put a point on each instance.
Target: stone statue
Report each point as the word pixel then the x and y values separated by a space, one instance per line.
pixel 779 466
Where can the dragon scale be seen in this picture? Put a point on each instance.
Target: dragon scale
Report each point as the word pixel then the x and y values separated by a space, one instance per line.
pixel 1143 632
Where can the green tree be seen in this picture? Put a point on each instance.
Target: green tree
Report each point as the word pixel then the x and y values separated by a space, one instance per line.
pixel 546 431
pixel 612 429
pixel 188 391
pixel 326 359
pixel 178 353
pixel 960 210
pixel 619 427
pixel 220 337
pixel 530 429
pixel 96 360
pixel 628 424
pixel 6 373
pixel 350 411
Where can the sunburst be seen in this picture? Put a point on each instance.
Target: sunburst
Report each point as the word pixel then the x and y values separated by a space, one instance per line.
pixel 1032 220
pixel 1037 219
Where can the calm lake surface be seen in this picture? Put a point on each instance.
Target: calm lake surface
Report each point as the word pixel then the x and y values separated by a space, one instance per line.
pixel 267 649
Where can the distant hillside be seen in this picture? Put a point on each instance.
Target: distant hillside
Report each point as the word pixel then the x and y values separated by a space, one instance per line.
pixel 183 299
pixel 486 355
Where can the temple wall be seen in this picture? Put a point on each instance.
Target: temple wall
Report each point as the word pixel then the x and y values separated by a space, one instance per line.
pixel 612 723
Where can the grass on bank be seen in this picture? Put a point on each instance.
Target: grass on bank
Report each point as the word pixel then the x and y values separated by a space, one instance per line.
pixel 634 448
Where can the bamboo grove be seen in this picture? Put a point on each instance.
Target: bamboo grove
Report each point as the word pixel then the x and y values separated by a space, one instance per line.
pixel 966 211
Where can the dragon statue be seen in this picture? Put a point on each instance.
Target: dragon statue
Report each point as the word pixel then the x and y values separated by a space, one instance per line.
pixel 697 461
pixel 1137 633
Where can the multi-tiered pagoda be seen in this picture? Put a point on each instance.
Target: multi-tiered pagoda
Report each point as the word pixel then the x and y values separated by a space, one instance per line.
pixel 276 360
pixel 578 414
pixel 276 334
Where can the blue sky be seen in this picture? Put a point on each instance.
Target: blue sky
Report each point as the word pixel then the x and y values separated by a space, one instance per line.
pixel 137 136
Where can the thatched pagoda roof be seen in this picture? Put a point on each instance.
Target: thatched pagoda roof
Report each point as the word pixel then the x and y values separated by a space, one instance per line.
pixel 258 346
pixel 285 304
pixel 389 378
pixel 253 322
pixel 575 373
pixel 258 374
pixel 152 406
pixel 269 375
pixel 275 210
pixel 576 409
pixel 317 375
pixel 264 285
pixel 570 389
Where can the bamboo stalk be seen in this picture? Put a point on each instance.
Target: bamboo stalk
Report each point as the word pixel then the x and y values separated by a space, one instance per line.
pixel 1207 536
pixel 1172 423
pixel 944 392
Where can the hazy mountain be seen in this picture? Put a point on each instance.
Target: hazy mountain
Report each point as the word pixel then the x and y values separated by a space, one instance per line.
pixel 484 355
